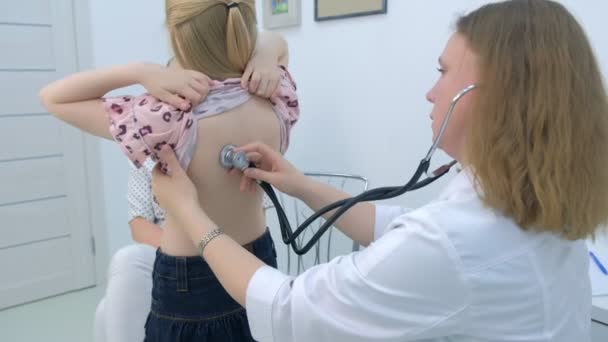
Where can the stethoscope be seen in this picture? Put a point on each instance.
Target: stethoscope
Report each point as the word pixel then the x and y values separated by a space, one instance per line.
pixel 229 159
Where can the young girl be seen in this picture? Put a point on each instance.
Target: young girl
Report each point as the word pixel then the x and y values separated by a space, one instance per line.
pixel 215 38
pixel 122 312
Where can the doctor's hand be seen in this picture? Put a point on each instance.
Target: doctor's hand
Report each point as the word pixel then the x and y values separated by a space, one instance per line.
pixel 174 192
pixel 272 168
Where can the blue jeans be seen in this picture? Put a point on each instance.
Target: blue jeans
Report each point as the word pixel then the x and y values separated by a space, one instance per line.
pixel 190 304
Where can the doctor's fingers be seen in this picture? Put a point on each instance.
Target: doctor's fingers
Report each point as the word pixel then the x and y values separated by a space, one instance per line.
pixel 274 165
pixel 248 184
pixel 273 159
pixel 258 147
pixel 256 158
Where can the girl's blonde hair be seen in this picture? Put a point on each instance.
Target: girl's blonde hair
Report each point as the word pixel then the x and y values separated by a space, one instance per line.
pixel 538 142
pixel 215 37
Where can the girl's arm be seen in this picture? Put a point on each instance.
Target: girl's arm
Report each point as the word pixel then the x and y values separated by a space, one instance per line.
pixel 262 76
pixel 145 232
pixel 77 99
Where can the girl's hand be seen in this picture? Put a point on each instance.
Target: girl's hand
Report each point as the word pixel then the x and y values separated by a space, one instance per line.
pixel 262 75
pixel 180 88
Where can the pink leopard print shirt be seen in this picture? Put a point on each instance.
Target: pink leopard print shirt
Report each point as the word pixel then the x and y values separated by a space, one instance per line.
pixel 142 125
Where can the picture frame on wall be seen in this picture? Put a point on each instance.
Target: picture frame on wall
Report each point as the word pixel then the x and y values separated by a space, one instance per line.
pixel 281 13
pixel 340 9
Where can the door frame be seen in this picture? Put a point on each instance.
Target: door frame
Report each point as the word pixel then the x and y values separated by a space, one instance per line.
pixel 91 147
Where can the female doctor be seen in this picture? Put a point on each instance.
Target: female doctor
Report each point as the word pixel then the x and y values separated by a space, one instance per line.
pixel 500 255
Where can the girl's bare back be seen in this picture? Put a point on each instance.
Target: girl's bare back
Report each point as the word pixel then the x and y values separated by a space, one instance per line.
pixel 239 214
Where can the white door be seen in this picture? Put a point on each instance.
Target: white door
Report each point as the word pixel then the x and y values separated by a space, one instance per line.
pixel 46 245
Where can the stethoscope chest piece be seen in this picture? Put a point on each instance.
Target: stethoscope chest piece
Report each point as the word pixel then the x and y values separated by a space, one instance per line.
pixel 231 160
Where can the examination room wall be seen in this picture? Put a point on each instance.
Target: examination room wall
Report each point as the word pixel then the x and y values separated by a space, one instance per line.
pixel 362 84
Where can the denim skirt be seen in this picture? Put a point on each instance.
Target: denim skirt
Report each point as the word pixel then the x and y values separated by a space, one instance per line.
pixel 190 304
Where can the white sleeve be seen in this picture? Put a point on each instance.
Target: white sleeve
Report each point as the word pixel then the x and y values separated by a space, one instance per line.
pixel 385 214
pixel 406 286
pixel 139 195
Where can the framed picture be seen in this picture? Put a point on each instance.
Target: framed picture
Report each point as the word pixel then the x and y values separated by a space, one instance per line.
pixel 339 9
pixel 281 13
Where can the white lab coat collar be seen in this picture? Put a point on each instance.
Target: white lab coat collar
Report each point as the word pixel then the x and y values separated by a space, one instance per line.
pixel 462 183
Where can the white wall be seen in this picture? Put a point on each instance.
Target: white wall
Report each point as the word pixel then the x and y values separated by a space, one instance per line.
pixel 123 32
pixel 362 84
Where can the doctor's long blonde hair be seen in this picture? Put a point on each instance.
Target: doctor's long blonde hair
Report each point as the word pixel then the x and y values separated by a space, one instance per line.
pixel 539 137
pixel 212 37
